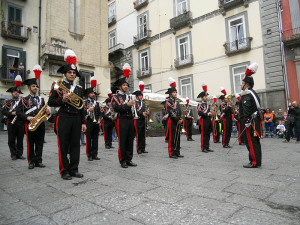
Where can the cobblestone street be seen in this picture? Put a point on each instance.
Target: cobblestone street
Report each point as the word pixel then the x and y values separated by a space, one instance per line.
pixel 201 188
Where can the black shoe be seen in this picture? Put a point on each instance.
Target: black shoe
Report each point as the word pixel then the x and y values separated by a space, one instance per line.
pixel 14 157
pixel 173 157
pixel 250 166
pixel 111 146
pixel 76 174
pixel 90 158
pixel 96 158
pixel 131 163
pixel 143 151
pixel 21 157
pixel 209 150
pixel 124 165
pixel 180 156
pixel 191 139
pixel 139 152
pixel 41 165
pixel 107 147
pixel 66 176
pixel 31 166
pixel 205 151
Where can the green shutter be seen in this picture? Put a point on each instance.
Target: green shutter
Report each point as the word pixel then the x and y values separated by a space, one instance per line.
pixel 23 60
pixel 4 74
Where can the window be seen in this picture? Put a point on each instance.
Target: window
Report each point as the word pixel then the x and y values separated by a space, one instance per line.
pixel 143 25
pixel 145 61
pixel 186 87
pixel 85 79
pixel 13 63
pixel 238 73
pixel 237 33
pixel 111 11
pixel 112 40
pixel 184 47
pixel 74 16
pixel 14 23
pixel 180 7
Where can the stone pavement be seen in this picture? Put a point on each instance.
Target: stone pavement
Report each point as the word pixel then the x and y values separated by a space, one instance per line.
pixel 201 188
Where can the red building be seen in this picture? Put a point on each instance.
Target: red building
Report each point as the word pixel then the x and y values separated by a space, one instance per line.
pixel 291 39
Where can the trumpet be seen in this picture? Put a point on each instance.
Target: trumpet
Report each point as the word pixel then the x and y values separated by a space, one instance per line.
pixel 74 100
pixel 133 109
pixel 38 119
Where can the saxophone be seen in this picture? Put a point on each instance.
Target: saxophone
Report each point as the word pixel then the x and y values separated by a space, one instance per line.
pixel 38 119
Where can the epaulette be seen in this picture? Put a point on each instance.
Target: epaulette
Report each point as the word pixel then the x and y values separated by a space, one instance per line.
pixel 245 92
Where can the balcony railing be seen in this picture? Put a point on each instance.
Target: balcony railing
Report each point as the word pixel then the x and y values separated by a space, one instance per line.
pixel 115 49
pixel 238 46
pixel 227 4
pixel 144 72
pixel 112 20
pixel 140 4
pixel 142 38
pixel 14 30
pixel 183 61
pixel 291 38
pixel 54 51
pixel 182 20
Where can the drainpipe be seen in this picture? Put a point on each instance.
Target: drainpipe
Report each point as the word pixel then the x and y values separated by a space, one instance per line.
pixel 285 79
pixel 39 45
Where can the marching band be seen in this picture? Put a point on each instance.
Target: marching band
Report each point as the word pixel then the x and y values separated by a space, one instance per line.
pixel 128 114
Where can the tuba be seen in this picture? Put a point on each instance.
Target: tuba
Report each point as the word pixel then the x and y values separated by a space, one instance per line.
pixel 75 101
pixel 38 119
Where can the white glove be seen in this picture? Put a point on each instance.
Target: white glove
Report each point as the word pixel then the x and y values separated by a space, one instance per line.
pixel 247 125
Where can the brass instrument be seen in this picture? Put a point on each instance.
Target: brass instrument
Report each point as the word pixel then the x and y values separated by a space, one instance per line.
pixel 230 101
pixel 38 119
pixel 74 100
pixel 14 119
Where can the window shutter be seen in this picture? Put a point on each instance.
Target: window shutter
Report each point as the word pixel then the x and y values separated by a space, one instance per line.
pixel 4 74
pixel 81 80
pixel 23 60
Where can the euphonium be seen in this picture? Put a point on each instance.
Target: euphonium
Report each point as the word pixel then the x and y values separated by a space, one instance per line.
pixel 38 119
pixel 230 102
pixel 74 100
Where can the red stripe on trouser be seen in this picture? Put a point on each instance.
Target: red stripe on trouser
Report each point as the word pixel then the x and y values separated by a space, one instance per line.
pixel 170 134
pixel 61 165
pixel 251 146
pixel 86 143
pixel 239 129
pixel 186 130
pixel 224 132
pixel 202 133
pixel 213 128
pixel 8 134
pixel 167 130
pixel 261 136
pixel 26 131
pixel 103 132
pixel 137 135
pixel 117 124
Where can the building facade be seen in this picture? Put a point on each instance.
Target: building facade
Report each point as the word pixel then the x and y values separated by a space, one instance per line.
pixel 197 40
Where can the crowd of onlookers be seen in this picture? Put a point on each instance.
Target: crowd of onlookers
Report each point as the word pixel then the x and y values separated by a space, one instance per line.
pixel 283 124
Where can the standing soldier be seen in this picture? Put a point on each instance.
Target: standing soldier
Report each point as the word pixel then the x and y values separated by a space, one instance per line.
pixel 205 124
pixel 92 115
pixel 174 121
pixel 226 116
pixel 107 123
pixel 250 112
pixel 139 124
pixel 188 121
pixel 27 109
pixel 124 123
pixel 215 122
pixel 15 126
pixel 70 119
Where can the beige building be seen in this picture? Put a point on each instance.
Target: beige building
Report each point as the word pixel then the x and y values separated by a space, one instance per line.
pixel 39 32
pixel 197 40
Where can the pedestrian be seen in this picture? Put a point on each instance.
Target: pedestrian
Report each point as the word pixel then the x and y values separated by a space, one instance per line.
pixel 15 126
pixel 269 125
pixel 92 115
pixel 21 70
pixel 70 121
pixel 280 129
pixel 189 118
pixel 250 112
pixel 290 123
pixel 205 124
pixel 297 121
pixel 28 108
pixel 124 123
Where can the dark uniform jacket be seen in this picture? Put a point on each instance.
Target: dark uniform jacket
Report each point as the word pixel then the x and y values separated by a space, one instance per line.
pixel 248 105
pixel 56 100
pixel 8 107
pixel 226 110
pixel 92 103
pixel 188 113
pixel 203 109
pixel 140 108
pixel 29 106
pixel 119 104
pixel 106 113
pixel 173 109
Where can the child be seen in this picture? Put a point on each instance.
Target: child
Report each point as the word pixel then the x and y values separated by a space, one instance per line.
pixel 281 129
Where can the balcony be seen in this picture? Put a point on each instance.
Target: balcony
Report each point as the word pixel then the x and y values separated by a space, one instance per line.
pixel 53 51
pixel 140 4
pixel 238 46
pixel 144 72
pixel 142 38
pixel 14 30
pixel 116 49
pixel 291 38
pixel 182 20
pixel 184 61
pixel 112 20
pixel 226 5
